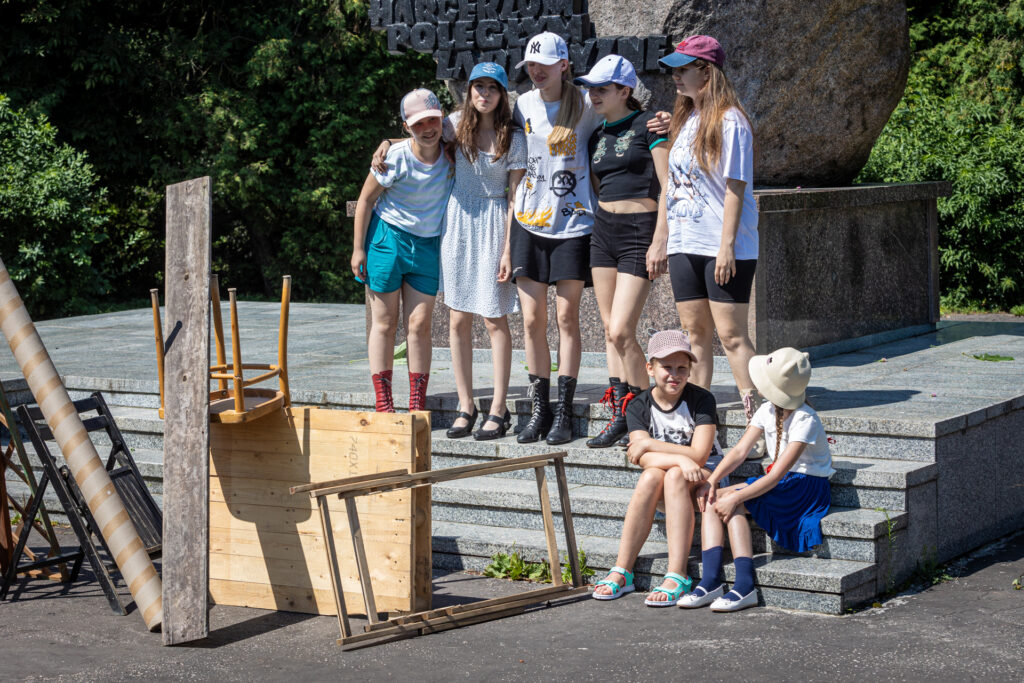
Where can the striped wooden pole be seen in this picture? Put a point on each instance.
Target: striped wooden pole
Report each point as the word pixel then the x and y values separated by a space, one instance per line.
pixel 80 454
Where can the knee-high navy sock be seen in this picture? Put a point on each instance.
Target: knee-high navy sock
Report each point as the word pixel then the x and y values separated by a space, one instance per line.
pixel 710 566
pixel 744 575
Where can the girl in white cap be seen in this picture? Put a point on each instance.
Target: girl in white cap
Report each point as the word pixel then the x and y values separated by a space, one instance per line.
pixel 788 502
pixel 490 160
pixel 550 237
pixel 628 164
pixel 708 207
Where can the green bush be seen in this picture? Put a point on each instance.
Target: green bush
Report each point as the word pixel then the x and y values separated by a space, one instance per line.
pixel 52 217
pixel 962 120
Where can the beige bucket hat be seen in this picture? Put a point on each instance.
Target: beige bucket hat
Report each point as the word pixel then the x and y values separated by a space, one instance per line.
pixel 782 376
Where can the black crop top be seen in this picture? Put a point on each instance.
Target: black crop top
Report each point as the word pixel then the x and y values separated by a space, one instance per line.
pixel 621 161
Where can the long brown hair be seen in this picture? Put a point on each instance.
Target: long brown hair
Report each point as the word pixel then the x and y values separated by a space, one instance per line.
pixel 778 431
pixel 469 124
pixel 631 101
pixel 717 96
pixel 570 111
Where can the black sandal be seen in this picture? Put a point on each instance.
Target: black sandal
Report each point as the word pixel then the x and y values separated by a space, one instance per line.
pixel 504 422
pixel 460 432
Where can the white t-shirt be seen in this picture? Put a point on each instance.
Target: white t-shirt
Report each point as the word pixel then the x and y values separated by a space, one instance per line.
pixel 696 201
pixel 555 198
pixel 802 425
pixel 417 193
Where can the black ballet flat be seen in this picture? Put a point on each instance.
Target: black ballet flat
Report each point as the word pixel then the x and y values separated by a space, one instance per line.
pixel 460 432
pixel 504 423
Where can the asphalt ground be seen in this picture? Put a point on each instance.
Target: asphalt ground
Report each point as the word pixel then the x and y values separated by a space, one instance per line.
pixel 968 626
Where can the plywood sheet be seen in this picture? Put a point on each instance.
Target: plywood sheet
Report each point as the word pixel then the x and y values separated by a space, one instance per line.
pixel 266 545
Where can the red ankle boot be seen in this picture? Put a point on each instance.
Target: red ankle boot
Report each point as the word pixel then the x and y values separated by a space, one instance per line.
pixel 382 392
pixel 418 390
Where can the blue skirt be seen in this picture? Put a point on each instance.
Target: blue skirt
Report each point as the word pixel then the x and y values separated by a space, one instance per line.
pixel 791 512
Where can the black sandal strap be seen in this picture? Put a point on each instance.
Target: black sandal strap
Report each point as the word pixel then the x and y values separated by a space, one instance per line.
pixel 467 416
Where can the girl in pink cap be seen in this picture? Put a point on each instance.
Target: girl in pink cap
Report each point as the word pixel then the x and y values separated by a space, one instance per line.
pixel 709 211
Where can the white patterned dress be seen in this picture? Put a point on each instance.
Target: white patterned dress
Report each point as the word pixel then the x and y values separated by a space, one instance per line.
pixel 474 233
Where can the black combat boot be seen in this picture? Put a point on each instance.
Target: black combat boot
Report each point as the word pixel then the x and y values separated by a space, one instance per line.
pixel 540 418
pixel 561 429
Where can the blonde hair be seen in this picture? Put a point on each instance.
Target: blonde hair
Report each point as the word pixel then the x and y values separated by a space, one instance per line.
pixel 570 111
pixel 717 96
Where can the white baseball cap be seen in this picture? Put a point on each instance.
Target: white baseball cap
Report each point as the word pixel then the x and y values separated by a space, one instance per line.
pixel 610 69
pixel 545 48
pixel 420 104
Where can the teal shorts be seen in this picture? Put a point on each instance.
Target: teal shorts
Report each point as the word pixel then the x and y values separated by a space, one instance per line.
pixel 394 256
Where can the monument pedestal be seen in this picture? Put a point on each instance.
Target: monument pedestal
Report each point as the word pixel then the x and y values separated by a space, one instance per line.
pixel 835 264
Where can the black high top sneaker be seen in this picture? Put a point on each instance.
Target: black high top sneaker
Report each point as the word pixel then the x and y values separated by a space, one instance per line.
pixel 615 429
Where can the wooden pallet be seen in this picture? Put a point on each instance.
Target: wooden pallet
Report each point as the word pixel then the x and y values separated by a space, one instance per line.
pixel 266 546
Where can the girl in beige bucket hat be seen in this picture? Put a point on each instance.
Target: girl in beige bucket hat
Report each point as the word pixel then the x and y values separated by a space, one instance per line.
pixel 788 502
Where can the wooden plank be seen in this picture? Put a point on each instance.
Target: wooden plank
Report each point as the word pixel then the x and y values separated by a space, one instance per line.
pixel 241 491
pixel 422 531
pixel 366 477
pixel 549 526
pixel 186 427
pixel 381 523
pixel 334 570
pixel 356 532
pixel 570 532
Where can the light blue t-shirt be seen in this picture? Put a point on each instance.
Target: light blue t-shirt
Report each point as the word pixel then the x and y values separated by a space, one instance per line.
pixel 417 193
pixel 696 201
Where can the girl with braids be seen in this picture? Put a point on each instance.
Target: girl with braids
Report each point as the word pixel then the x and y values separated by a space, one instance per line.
pixel 710 212
pixel 788 502
pixel 550 236
pixel 490 160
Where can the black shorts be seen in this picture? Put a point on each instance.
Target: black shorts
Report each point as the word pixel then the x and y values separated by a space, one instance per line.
pixel 549 260
pixel 693 277
pixel 621 240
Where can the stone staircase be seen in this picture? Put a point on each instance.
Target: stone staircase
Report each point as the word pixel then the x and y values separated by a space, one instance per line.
pixel 883 496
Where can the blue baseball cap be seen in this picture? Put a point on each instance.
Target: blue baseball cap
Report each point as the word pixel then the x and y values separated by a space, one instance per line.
pixel 490 70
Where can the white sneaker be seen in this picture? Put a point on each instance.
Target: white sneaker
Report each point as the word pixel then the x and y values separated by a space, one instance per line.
pixel 728 603
pixel 691 600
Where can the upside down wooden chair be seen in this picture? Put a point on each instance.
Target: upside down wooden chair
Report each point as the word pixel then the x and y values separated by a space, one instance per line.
pixel 241 402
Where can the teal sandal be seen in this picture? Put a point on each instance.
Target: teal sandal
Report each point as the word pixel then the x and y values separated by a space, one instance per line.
pixel 683 585
pixel 617 590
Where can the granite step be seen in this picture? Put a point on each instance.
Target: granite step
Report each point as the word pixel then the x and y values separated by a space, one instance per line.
pixel 815 584
pixel 850 533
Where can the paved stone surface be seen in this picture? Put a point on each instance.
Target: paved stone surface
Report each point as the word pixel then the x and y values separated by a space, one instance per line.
pixel 967 628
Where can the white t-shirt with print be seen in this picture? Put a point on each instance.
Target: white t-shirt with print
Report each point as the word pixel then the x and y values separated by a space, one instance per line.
pixel 416 194
pixel 555 198
pixel 696 201
pixel 802 425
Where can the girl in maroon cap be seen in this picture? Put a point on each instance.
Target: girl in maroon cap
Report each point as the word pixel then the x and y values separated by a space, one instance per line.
pixel 709 210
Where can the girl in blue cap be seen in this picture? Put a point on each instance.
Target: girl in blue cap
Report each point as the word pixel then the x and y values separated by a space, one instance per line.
pixel 490 160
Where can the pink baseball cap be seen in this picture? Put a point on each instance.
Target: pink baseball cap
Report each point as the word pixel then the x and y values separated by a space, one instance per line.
pixel 667 342
pixel 420 104
pixel 695 47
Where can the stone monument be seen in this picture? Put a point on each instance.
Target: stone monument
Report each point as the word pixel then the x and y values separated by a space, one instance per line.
pixel 819 80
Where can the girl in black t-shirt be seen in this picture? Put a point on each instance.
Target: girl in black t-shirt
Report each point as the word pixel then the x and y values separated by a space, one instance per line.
pixel 628 163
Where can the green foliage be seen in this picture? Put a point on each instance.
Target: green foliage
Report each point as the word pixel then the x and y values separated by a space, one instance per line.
pixel 53 216
pixel 991 357
pixel 962 120
pixel 280 103
pixel 512 566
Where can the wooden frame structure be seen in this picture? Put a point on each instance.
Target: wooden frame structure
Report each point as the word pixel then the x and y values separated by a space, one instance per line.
pixel 435 620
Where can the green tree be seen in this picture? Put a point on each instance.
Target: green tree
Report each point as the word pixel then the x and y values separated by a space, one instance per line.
pixel 962 120
pixel 52 216
pixel 281 103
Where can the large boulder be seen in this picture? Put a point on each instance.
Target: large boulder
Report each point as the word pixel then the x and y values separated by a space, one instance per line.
pixel 819 79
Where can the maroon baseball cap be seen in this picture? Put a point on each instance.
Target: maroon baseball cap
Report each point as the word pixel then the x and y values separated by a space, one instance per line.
pixel 695 47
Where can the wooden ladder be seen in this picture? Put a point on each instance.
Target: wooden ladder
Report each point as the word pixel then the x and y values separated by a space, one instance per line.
pixel 432 621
